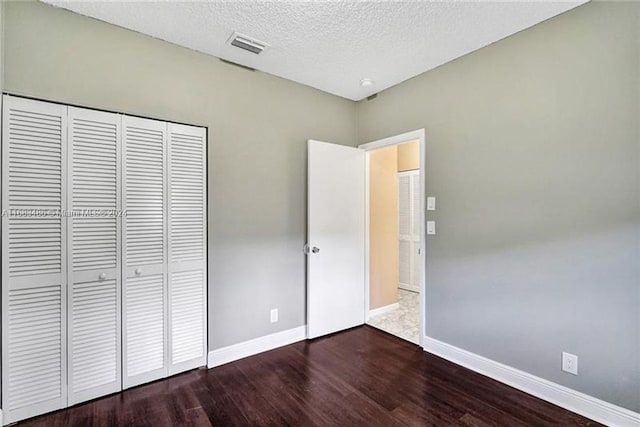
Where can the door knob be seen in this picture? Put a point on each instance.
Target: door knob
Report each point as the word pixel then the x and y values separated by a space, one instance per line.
pixel 315 249
pixel 138 272
pixel 102 276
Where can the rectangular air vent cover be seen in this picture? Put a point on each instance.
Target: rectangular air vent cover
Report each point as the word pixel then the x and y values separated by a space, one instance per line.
pixel 247 43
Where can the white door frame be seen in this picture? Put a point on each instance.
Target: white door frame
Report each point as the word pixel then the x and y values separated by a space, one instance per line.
pixel 418 135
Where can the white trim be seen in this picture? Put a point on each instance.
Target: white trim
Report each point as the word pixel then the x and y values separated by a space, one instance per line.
pixel 410 288
pixel 572 400
pixel 395 140
pixel 385 142
pixel 382 310
pixel 410 172
pixel 258 345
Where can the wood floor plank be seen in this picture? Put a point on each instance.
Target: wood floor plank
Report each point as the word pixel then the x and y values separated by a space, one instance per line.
pixel 359 377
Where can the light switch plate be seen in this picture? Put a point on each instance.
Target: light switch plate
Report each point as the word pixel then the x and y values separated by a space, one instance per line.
pixel 431 203
pixel 431 227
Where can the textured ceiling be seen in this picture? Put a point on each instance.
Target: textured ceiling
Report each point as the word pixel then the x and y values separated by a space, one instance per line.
pixel 330 45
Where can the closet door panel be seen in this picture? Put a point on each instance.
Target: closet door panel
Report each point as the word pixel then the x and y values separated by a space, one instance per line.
pixel 94 255
pixel 34 276
pixel 145 332
pixel 409 230
pixel 404 263
pixel 404 230
pixel 187 247
pixel 145 251
pixel 415 229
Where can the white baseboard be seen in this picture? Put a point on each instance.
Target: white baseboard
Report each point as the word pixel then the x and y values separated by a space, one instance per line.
pixel 575 401
pixel 258 345
pixel 384 309
pixel 411 288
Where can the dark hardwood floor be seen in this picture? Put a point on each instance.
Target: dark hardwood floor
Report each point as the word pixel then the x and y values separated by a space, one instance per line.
pixel 360 377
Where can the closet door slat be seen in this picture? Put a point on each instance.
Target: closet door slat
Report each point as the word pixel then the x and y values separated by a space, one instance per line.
pixel 94 255
pixel 34 279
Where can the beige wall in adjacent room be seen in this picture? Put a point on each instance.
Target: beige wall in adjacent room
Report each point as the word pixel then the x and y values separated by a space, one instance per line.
pixel 383 227
pixel 409 156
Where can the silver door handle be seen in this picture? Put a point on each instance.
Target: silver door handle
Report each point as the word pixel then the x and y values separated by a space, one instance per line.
pixel 138 272
pixel 307 251
pixel 102 276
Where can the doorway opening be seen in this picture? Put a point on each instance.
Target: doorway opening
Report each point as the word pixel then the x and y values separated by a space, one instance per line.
pixel 395 235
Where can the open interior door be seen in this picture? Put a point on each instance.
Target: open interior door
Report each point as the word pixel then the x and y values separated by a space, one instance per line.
pixel 336 238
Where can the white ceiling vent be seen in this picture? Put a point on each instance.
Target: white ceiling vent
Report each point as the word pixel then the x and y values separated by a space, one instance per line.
pixel 247 43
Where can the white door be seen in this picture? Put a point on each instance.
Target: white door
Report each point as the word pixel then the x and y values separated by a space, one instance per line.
pixel 187 269
pixel 144 293
pixel 34 271
pixel 336 238
pixel 409 230
pixel 94 255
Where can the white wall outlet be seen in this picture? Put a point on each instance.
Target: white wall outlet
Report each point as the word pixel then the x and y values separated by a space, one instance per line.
pixel 570 363
pixel 431 203
pixel 431 227
pixel 274 315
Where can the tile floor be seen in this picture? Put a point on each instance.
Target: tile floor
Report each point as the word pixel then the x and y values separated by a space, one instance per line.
pixel 403 321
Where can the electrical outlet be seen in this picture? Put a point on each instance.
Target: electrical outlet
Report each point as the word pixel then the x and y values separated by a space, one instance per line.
pixel 274 315
pixel 570 363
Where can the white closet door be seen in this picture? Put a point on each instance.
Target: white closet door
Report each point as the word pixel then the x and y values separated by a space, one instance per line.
pixel 94 255
pixel 404 230
pixel 144 314
pixel 187 247
pixel 409 230
pixel 34 275
pixel 415 229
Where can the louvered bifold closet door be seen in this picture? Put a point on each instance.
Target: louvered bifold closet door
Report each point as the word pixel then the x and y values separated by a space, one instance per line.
pixel 415 229
pixel 94 255
pixel 404 230
pixel 144 313
pixel 187 247
pixel 409 205
pixel 33 258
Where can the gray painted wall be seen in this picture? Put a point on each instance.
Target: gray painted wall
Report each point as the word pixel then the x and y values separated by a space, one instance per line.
pixel 533 152
pixel 258 127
